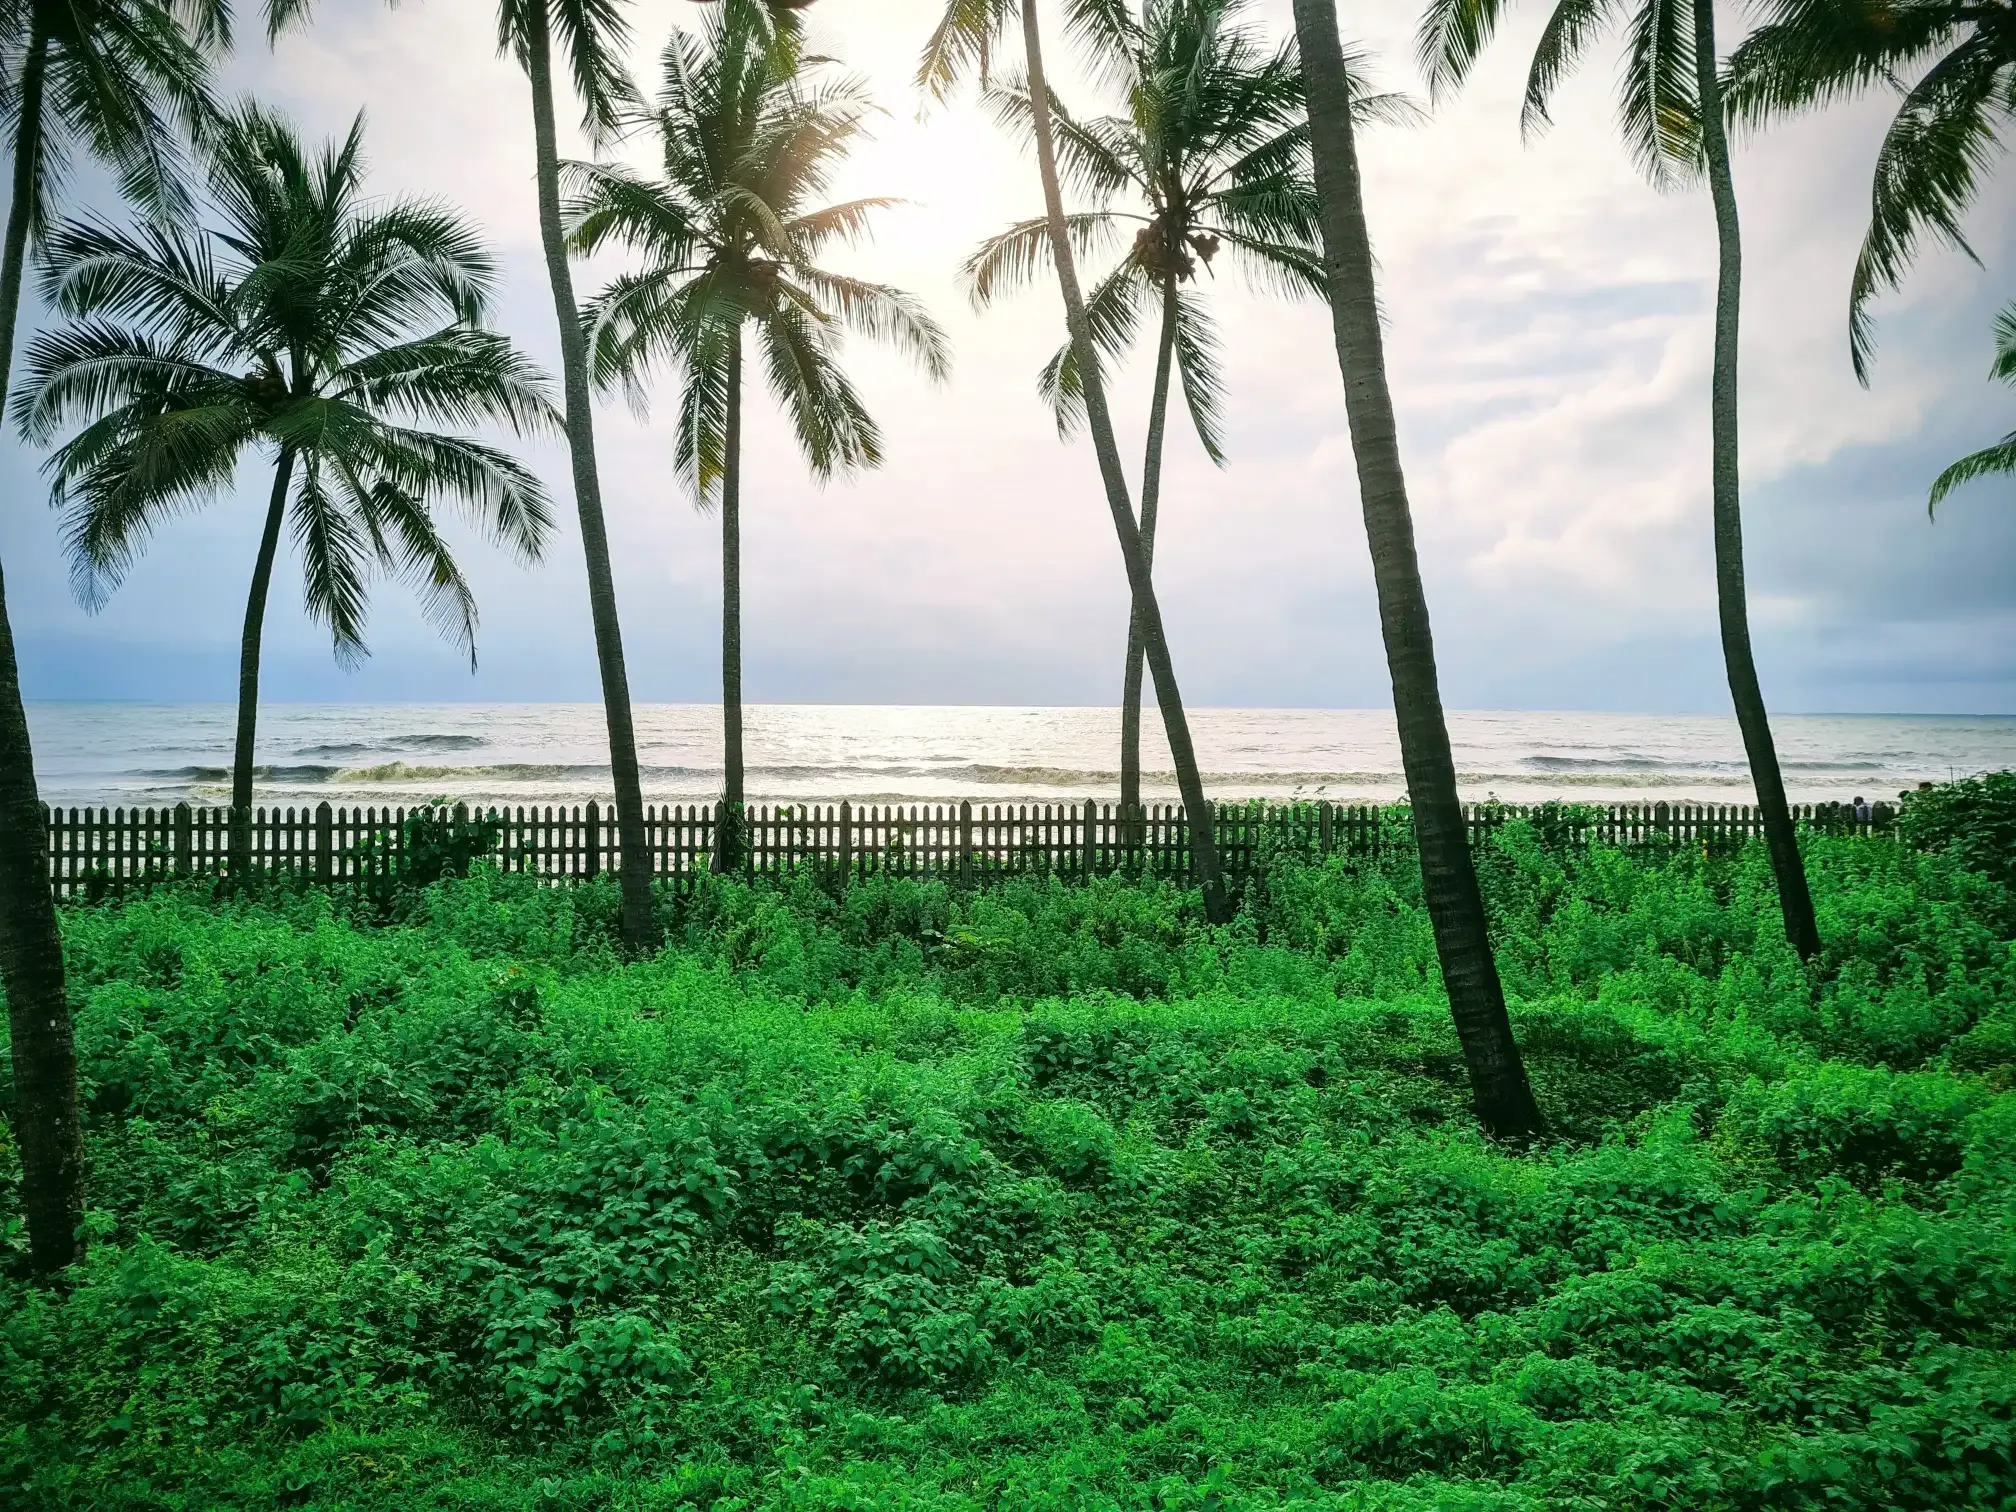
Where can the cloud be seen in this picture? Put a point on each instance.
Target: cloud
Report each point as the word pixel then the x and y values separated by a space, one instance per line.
pixel 1548 328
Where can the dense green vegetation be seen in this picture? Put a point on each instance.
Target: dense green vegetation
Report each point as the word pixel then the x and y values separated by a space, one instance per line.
pixel 1040 1196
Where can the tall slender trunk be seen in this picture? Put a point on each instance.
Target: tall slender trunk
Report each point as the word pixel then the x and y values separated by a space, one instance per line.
pixel 1151 496
pixel 729 849
pixel 1498 1082
pixel 1155 643
pixel 638 931
pixel 46 1127
pixel 1795 899
pixel 248 671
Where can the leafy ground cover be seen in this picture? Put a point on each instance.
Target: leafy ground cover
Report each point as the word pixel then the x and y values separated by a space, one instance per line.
pixel 1037 1197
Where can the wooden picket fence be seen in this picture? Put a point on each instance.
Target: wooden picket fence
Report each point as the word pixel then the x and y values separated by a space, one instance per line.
pixel 96 848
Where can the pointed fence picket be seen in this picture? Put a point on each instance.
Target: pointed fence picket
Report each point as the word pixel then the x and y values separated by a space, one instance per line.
pixel 96 849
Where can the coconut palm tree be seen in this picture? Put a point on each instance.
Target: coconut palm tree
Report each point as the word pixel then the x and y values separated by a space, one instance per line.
pixel 111 79
pixel 1503 1097
pixel 730 236
pixel 962 44
pixel 2001 457
pixel 1929 168
pixel 1671 113
pixel 591 35
pixel 306 321
pixel 1210 155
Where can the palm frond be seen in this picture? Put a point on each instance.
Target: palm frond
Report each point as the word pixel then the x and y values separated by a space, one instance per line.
pixel 493 490
pixel 1449 39
pixel 593 34
pixel 1094 157
pixel 131 470
pixel 1928 171
pixel 1988 462
pixel 612 204
pixel 2005 346
pixel 1388 107
pixel 659 318
pixel 400 264
pixel 885 314
pixel 1287 270
pixel 1198 352
pixel 834 429
pixel 406 540
pixel 700 451
pixel 962 44
pixel 335 550
pixel 128 83
pixel 1568 32
pixel 1114 313
pixel 1659 105
pixel 1814 53
pixel 847 223
pixel 92 368
pixel 159 276
pixel 1105 32
pixel 455 376
pixel 1011 259
pixel 1282 209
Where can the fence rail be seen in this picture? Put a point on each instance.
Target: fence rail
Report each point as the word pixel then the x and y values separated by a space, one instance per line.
pixel 94 848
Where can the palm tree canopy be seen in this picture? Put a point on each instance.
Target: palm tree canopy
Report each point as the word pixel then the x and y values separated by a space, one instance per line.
pixel 125 81
pixel 2001 457
pixel 305 320
pixel 963 42
pixel 1210 155
pixel 731 235
pixel 1943 139
pixel 592 34
pixel 1658 96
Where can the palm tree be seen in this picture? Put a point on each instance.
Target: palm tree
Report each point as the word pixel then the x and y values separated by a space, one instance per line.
pixel 110 78
pixel 730 236
pixel 963 41
pixel 1211 155
pixel 2001 457
pixel 1672 115
pixel 591 33
pixel 1504 1098
pixel 1928 170
pixel 306 321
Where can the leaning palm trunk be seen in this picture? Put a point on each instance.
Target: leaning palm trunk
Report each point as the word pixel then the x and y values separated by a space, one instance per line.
pixel 1151 495
pixel 1155 644
pixel 728 848
pixel 1498 1082
pixel 248 673
pixel 46 1126
pixel 638 931
pixel 1795 899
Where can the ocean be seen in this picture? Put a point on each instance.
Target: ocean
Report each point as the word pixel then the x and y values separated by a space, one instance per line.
pixel 372 754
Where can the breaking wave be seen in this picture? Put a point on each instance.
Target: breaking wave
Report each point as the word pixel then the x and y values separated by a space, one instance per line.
pixel 398 743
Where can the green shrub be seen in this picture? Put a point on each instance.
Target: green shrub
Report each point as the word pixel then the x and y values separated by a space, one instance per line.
pixel 1863 1123
pixel 1036 1196
pixel 1973 819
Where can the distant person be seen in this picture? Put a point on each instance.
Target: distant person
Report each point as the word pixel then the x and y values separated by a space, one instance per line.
pixel 1863 813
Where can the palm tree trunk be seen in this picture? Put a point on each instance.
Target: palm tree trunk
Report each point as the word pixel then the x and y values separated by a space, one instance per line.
pixel 728 852
pixel 1155 644
pixel 638 931
pixel 1151 497
pixel 248 672
pixel 1795 899
pixel 46 1126
pixel 1498 1082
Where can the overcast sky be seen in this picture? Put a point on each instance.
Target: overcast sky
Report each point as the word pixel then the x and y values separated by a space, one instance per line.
pixel 1549 340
